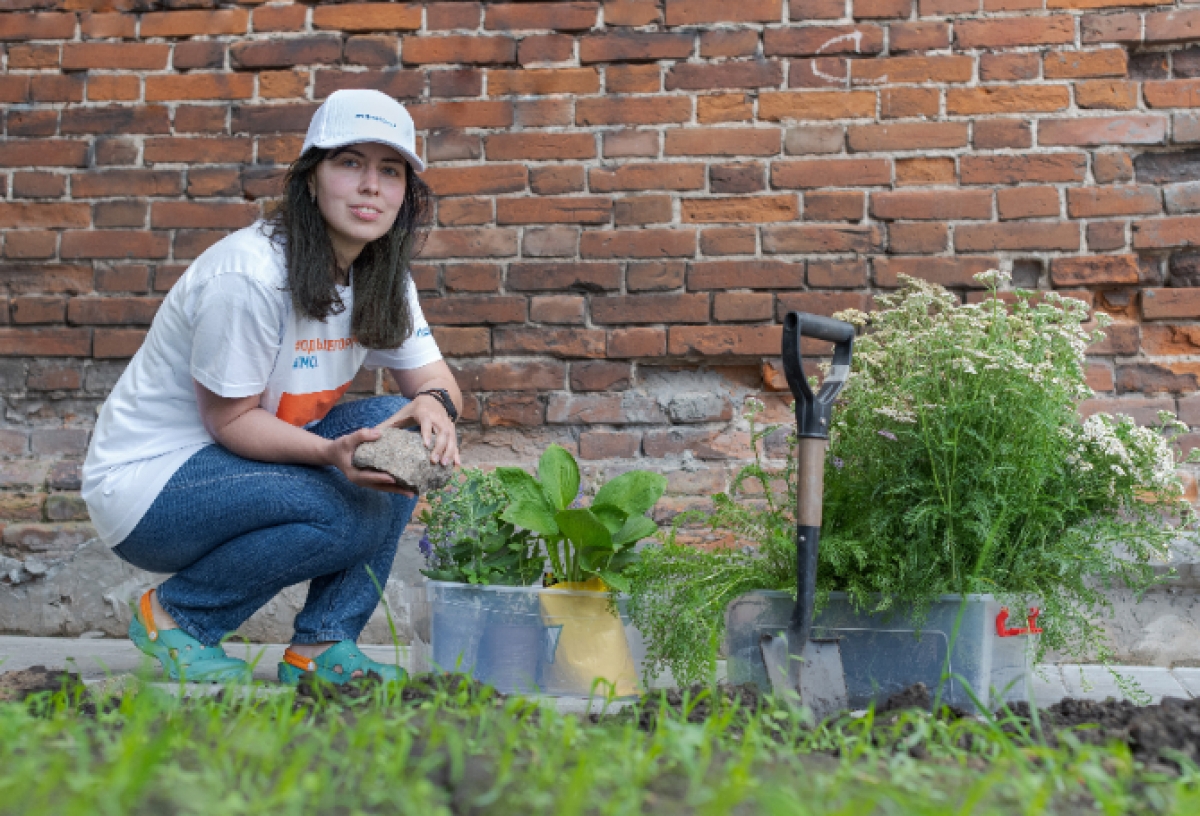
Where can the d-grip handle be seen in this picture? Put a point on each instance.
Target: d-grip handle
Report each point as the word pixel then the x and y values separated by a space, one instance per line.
pixel 820 328
pixel 812 411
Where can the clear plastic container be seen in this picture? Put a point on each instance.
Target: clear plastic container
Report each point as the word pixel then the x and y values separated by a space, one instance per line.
pixel 532 640
pixel 883 654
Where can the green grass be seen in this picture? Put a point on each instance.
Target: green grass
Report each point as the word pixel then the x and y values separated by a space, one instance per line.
pixel 453 750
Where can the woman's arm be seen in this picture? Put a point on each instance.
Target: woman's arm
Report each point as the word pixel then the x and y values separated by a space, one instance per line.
pixel 241 426
pixel 427 411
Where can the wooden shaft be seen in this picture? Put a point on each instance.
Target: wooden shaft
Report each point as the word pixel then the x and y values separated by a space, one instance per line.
pixel 810 480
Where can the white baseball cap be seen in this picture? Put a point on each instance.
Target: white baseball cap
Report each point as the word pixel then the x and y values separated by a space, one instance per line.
pixel 352 116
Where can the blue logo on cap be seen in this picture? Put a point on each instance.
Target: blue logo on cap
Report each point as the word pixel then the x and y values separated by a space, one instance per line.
pixel 374 118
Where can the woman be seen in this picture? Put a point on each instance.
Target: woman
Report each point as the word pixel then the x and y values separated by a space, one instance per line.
pixel 221 456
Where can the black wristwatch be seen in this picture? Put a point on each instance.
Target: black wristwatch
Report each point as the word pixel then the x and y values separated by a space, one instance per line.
pixel 442 396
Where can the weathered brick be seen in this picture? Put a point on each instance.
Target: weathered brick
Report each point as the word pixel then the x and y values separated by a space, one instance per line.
pixel 20 215
pixel 1167 304
pixel 940 69
pixel 1176 378
pixel 757 209
pixel 147 119
pixel 1006 99
pixel 565 210
pixel 279 18
pixel 906 103
pixel 1106 130
pixel 114 244
pixel 483 180
pixel 1004 33
pixel 745 275
pixel 609 444
pixel 574 342
pixel 936 171
pixel 1106 62
pixel 1161 233
pixel 1028 202
pixel 513 411
pixel 635 46
pixel 540 146
pixel 1008 67
pixel 811 41
pixel 542 375
pixel 656 176
pixel 1105 235
pixel 1107 95
pixel 396 84
pixel 912 239
pixel 587 277
pixel 632 111
pixel 699 12
pixel 1095 270
pixel 724 341
pixel 822 239
pixel 37 26
pixel 115 56
pixel 834 205
pixel 728 241
pixel 1171 340
pixel 470 243
pixel 193 23
pixel 1172 26
pixel 951 271
pixel 643 243
pixel 170 150
pixel 1090 202
pixel 284 53
pixel 724 75
pixel 636 343
pixel 199 86
pixel 728 43
pixel 816 173
pixel 176 214
pixel 650 308
pixel 368 17
pixel 1110 28
pixel 1026 167
pixel 998 133
pixel 45 342
pixel 908 136
pixel 1028 236
pixel 806 105
pixel 942 205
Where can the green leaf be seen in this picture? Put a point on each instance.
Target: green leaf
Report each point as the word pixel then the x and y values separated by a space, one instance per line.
pixel 559 475
pixel 634 492
pixel 635 529
pixel 618 582
pixel 535 516
pixel 613 517
pixel 519 485
pixel 584 530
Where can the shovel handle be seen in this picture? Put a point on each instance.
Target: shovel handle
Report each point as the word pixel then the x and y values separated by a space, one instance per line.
pixel 813 410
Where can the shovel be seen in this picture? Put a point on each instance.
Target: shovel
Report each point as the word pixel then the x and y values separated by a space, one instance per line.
pixel 804 670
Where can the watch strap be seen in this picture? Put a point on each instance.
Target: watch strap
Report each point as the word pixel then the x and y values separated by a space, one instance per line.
pixel 442 396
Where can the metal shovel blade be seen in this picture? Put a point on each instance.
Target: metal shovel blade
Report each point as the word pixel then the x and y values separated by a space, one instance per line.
pixel 815 680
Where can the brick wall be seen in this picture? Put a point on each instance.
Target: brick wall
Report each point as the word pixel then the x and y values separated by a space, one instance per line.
pixel 631 194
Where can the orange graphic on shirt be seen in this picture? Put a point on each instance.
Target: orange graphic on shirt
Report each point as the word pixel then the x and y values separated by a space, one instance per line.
pixel 301 409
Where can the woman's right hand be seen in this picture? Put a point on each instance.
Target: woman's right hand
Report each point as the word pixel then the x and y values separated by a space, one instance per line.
pixel 341 456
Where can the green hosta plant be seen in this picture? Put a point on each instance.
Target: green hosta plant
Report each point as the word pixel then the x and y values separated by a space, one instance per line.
pixel 958 463
pixel 467 541
pixel 582 542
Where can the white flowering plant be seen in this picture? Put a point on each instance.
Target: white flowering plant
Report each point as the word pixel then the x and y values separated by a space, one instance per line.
pixel 959 463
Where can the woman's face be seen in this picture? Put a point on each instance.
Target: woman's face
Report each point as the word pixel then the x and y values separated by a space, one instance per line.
pixel 360 190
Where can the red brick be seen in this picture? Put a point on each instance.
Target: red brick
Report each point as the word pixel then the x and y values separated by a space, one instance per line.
pixel 479 180
pixel 811 41
pixel 637 342
pixel 724 75
pixel 556 179
pixel 194 23
pixel 443 16
pixel 101 88
pixel 112 310
pixel 397 84
pixel 1006 99
pixel 908 136
pixel 176 214
pixel 926 172
pixel 600 376
pixel 728 43
pixel 201 118
pixel 470 310
pixel 635 47
pixel 648 209
pixel 199 86
pixel 650 308
pixel 424 50
pixel 1170 340
pixel 45 342
pixel 541 375
pixel 1107 95
pixel 1103 130
pixel 1090 202
pixel 201 54
pixel 114 244
pixel 61 88
pixel 1029 236
pixel 193 151
pixel 1110 28
pixel 820 72
pixel 942 205
pixel 23 215
pixel 926 35
pixel 1107 62
pixel 632 111
pixel 1095 270
pixel 757 209
pixel 472 278
pixel 823 239
pixel 107 26
pixel 1025 167
pixel 119 56
pixel 120 213
pixel 34 309
pixel 609 444
pixel 952 271
pixel 822 303
pixel 463 342
pixel 818 173
pixel 543 81
pixel 124 183
pixel 575 342
pixel 1176 378
pixel 1172 26
pixel 30 244
pixel 566 210
pixel 1003 33
pixel 470 243
pixel 43 153
pixel 630 143
pixel 513 411
pixel 464 82
pixel 746 275
pixel 1028 202
pixel 728 241
pixel 588 277
pixel 725 341
pixel 123 278
pixel 284 53
pixel 632 177
pixel 47 278
pixel 1161 233
pixel 462 115
pixel 1166 304
pixel 566 16
pixel 1105 235
pixel 279 18
pixel 917 238
pixel 743 307
pixel 643 243
pixel 776 106
pixel 148 119
pixel 882 9
pixel 816 9
pixel 562 309
pixel 38 185
pixel 834 205
pixel 14 89
pixel 553 112
pixel 117 343
pixel 43 26
pixel 906 103
pixel 540 146
pixel 896 70
pixel 368 17
pixel 378 51
pixel 699 12
pixel 1006 67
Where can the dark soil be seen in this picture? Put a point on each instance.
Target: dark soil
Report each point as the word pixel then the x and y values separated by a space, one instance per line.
pixel 418 688
pixel 1156 734
pixel 15 686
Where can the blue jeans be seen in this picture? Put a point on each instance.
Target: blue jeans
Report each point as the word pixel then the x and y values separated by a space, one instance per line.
pixel 235 532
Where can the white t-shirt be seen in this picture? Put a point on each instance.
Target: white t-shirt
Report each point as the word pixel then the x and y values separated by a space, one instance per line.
pixel 229 324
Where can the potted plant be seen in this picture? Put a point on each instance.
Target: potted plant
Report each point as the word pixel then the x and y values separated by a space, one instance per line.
pixel 588 550
pixel 958 464
pixel 490 537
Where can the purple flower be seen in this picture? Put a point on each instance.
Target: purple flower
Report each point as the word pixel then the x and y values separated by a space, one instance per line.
pixel 888 435
pixel 838 463
pixel 426 548
pixel 575 505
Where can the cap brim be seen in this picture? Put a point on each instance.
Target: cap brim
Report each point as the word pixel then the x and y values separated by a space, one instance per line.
pixel 330 144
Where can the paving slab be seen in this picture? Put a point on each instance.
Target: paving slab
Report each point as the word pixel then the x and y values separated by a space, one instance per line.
pixel 1097 682
pixel 1189 678
pixel 1046 685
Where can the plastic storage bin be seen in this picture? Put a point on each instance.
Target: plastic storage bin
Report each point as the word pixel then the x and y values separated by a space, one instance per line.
pixel 533 640
pixel 883 653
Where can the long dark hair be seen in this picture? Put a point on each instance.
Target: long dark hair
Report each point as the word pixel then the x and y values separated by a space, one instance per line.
pixel 381 318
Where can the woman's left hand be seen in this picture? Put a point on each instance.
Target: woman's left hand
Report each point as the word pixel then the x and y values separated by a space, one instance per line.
pixel 437 430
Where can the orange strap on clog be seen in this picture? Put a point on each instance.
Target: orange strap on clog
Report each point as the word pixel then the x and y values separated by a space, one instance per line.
pixel 148 616
pixel 298 660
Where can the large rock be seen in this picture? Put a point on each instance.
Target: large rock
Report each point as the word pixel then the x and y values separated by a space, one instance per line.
pixel 403 455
